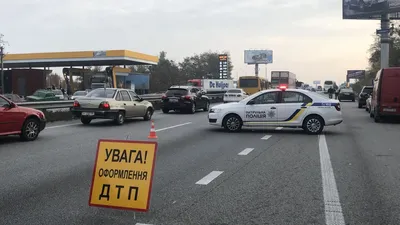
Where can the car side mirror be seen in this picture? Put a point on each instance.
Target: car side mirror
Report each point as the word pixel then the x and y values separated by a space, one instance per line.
pixel 251 102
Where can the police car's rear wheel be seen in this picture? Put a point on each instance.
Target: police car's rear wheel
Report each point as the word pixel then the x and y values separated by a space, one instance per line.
pixel 232 123
pixel 313 125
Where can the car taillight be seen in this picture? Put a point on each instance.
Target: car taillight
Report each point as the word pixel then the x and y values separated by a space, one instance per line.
pixel 163 96
pixel 337 107
pixel 76 104
pixel 187 97
pixel 104 105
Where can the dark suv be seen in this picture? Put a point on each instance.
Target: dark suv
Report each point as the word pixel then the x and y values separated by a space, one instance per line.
pixel 364 95
pixel 184 98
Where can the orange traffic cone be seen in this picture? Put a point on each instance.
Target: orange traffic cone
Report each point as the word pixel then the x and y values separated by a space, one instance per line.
pixel 152 134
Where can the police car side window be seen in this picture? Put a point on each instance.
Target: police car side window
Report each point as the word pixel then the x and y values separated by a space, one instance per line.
pixel 294 97
pixel 267 98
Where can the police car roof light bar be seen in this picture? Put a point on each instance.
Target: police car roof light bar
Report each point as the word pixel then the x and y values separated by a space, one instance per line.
pixel 282 87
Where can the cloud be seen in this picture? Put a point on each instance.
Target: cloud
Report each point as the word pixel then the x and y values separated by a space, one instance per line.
pixel 307 36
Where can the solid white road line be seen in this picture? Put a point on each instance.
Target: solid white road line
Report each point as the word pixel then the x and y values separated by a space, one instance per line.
pixel 65 125
pixel 279 128
pixel 143 224
pixel 333 209
pixel 246 151
pixel 179 125
pixel 266 137
pixel 210 177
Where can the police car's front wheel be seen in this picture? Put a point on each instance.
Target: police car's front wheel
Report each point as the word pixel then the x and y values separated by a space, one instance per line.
pixel 313 125
pixel 232 123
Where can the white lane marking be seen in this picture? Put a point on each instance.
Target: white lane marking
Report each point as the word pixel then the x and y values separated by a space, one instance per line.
pixel 179 125
pixel 279 128
pixel 333 209
pixel 65 125
pixel 246 151
pixel 266 137
pixel 143 224
pixel 210 177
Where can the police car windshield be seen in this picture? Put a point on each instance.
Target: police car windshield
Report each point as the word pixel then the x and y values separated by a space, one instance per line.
pixel 249 97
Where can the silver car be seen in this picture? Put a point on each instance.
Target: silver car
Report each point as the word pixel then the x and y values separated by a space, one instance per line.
pixel 111 103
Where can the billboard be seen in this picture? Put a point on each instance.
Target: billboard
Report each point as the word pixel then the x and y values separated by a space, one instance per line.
pixel 258 56
pixel 316 82
pixel 355 74
pixel 370 9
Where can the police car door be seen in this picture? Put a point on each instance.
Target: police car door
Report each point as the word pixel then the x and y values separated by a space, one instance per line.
pixel 262 109
pixel 293 107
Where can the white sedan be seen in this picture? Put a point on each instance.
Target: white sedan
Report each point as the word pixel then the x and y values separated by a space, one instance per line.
pixel 292 108
pixel 234 95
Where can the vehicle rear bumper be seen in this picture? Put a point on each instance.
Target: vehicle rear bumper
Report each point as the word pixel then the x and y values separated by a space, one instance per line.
pixel 362 101
pixel 346 97
pixel 97 114
pixel 179 105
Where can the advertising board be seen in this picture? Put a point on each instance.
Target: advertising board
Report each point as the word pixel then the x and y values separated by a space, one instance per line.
pixel 258 56
pixel 370 9
pixel 355 74
pixel 223 66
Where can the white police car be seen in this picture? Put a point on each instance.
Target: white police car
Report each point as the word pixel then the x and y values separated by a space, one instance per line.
pixel 294 108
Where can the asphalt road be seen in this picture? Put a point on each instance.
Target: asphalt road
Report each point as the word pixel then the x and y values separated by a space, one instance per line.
pixel 348 175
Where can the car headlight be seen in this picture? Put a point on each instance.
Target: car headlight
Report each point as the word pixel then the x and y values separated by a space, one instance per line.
pixel 215 110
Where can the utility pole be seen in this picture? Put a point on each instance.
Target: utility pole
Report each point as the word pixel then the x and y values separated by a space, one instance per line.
pixel 385 40
pixel 3 86
pixel 2 68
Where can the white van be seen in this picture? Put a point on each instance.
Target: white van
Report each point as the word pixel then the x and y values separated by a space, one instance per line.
pixel 328 84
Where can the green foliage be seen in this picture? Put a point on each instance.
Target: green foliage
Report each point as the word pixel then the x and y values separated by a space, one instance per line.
pixel 374 59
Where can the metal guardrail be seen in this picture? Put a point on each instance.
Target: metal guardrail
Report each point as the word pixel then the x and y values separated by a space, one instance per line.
pixel 69 103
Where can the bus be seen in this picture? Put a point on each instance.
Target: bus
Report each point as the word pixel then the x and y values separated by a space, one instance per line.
pixel 252 84
pixel 329 84
pixel 283 78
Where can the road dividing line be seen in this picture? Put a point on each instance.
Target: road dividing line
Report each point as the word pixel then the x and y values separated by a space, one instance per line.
pixel 246 151
pixel 266 137
pixel 333 209
pixel 279 128
pixel 65 125
pixel 179 125
pixel 210 177
pixel 143 224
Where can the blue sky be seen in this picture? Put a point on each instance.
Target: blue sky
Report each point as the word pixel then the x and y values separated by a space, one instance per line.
pixel 308 37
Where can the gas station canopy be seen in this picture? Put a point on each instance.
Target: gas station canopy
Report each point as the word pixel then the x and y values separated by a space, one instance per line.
pixel 81 58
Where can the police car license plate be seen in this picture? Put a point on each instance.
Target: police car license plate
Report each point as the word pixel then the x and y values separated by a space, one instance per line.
pixel 87 113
